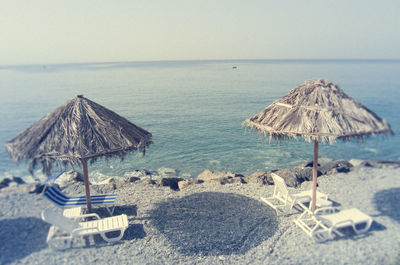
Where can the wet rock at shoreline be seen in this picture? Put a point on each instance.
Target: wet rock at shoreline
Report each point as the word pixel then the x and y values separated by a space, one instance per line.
pixel 289 176
pixel 293 176
pixel 72 181
pixel 259 177
pixel 133 179
pixel 310 164
pixel 380 164
pixel 220 177
pixel 11 182
pixel 304 174
pixel 5 183
pixel 170 182
pixel 336 167
pixel 297 175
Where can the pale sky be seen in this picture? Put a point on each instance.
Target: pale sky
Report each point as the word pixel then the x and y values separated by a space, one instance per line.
pixel 66 31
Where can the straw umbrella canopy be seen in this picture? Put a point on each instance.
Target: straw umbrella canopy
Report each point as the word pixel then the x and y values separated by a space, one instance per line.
pixel 318 111
pixel 78 132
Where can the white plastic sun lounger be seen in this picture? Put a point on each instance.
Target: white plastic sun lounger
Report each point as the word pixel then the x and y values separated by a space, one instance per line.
pixel 282 201
pixel 324 223
pixel 64 201
pixel 63 229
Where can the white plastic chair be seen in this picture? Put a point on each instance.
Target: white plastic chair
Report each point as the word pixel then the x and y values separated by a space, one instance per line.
pixel 324 223
pixel 282 201
pixel 64 229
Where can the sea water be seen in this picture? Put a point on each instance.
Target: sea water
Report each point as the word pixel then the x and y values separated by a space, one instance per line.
pixel 195 109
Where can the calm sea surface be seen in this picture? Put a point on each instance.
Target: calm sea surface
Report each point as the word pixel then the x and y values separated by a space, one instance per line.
pixel 194 109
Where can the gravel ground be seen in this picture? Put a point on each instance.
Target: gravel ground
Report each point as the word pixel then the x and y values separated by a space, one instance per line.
pixel 213 224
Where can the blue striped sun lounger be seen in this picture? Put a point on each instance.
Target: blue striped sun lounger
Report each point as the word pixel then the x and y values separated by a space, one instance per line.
pixel 64 201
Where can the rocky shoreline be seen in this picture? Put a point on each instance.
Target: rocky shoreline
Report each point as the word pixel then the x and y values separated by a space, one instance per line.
pixel 166 177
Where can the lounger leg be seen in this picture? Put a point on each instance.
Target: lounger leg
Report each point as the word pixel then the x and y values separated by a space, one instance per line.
pixel 365 229
pixel 112 239
pixel 110 211
pixel 60 243
pixel 322 236
pixel 58 240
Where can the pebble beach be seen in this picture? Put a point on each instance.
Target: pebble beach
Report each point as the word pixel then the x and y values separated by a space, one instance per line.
pixel 213 224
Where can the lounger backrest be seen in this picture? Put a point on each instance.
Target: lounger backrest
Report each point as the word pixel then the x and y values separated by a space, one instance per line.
pixel 104 198
pixel 56 193
pixel 61 202
pixel 52 217
pixel 53 198
pixel 280 186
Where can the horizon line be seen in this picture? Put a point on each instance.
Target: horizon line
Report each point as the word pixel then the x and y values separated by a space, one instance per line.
pixel 209 60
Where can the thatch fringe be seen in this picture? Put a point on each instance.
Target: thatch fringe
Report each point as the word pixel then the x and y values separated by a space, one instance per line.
pixel 79 130
pixel 318 109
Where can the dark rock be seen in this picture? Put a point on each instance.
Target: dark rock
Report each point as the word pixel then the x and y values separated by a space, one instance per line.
pixel 366 164
pixel 13 181
pixel 230 180
pixel 305 174
pixel 289 176
pixel 310 164
pixel 295 176
pixel 5 182
pixel 170 182
pixel 37 188
pixel 336 167
pixel 133 179
pixel 17 180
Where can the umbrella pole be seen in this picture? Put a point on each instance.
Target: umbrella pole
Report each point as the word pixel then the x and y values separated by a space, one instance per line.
pixel 315 167
pixel 87 188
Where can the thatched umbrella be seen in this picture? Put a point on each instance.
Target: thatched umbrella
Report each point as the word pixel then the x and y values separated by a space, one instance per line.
pixel 78 132
pixel 318 110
